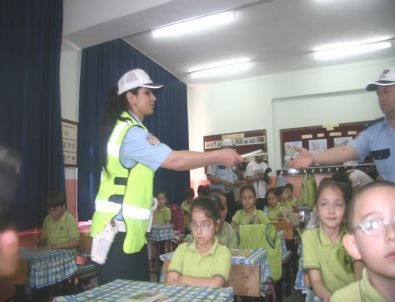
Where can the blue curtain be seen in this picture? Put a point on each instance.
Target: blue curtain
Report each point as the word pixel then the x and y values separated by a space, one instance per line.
pixel 101 67
pixel 30 119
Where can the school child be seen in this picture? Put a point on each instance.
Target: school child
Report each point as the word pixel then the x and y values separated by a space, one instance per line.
pixel 226 234
pixel 249 213
pixel 60 229
pixel 286 197
pixel 204 261
pixel 326 262
pixel 186 206
pixel 371 223
pixel 275 210
pixel 162 214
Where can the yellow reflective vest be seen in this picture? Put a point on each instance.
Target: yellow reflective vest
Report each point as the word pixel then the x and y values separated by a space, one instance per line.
pixel 135 185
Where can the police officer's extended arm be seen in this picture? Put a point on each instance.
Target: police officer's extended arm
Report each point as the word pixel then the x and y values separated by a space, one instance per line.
pixel 186 160
pixel 332 156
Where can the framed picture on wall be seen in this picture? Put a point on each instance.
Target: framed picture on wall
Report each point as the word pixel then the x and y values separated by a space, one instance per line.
pixel 289 151
pixel 318 145
pixel 245 142
pixel 341 141
pixel 69 136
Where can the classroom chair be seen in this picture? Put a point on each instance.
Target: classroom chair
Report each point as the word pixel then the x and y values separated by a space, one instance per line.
pixel 264 236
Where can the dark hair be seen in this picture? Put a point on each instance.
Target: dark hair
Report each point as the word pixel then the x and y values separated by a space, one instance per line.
pixel 217 194
pixel 247 187
pixel 272 190
pixel 342 177
pixel 115 105
pixel 289 186
pixel 280 190
pixel 203 190
pixel 189 193
pixel 209 205
pixel 358 194
pixel 55 199
pixel 345 188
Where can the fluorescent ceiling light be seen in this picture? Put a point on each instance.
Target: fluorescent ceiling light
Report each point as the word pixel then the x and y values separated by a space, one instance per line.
pixel 220 63
pixel 222 70
pixel 193 25
pixel 342 50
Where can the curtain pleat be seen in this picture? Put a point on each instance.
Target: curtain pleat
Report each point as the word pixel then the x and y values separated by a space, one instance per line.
pixel 101 67
pixel 30 117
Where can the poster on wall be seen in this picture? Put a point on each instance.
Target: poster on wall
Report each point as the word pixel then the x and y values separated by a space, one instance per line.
pixel 341 141
pixel 244 141
pixel 318 145
pixel 69 136
pixel 289 151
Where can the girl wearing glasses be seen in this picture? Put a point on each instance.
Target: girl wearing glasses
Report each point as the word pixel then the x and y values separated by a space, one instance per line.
pixel 204 261
pixel 328 265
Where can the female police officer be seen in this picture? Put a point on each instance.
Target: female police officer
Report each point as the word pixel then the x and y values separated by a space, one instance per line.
pixel 125 194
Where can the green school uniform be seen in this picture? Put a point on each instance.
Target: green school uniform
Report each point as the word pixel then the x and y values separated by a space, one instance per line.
pixel 358 291
pixel 334 263
pixel 61 231
pixel 257 217
pixel 186 207
pixel 162 216
pixel 187 261
pixel 289 204
pixel 276 212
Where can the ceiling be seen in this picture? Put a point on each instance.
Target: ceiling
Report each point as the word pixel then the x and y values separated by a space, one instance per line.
pixel 278 35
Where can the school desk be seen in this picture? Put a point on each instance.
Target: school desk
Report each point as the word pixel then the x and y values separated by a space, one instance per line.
pixel 48 266
pixel 243 262
pixel 127 290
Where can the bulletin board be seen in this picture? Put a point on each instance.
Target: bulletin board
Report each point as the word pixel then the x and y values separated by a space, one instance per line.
pixel 69 136
pixel 245 142
pixel 318 138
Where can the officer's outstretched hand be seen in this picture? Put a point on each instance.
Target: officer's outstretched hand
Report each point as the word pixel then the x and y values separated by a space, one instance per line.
pixel 303 160
pixel 229 157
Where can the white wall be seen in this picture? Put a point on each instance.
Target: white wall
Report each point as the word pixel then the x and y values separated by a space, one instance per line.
pixel 294 99
pixel 70 68
pixel 301 98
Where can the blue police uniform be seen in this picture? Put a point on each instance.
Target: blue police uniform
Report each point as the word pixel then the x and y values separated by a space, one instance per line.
pixel 223 172
pixel 137 148
pixel 378 141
